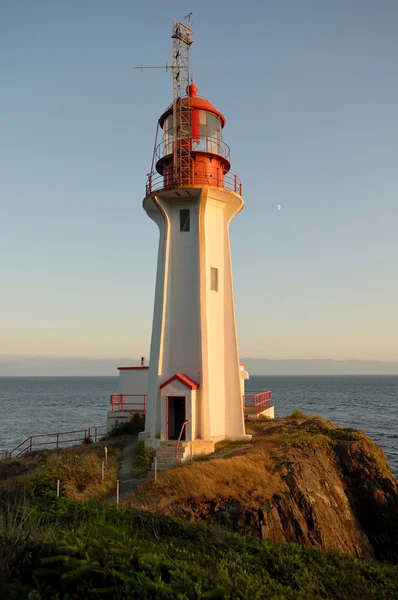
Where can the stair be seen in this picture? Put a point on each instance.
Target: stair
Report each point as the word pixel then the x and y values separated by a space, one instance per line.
pixel 166 454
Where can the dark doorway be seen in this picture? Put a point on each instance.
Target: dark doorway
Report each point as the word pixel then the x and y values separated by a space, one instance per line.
pixel 175 417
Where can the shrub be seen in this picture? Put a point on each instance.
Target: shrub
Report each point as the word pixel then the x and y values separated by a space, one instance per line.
pixel 133 426
pixel 298 414
pixel 135 555
pixel 306 439
pixel 142 459
pixel 80 476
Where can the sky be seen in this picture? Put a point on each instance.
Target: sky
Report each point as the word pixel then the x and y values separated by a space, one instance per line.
pixel 310 93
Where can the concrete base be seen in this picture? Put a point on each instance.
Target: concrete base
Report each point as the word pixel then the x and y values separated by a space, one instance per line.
pixel 114 419
pixel 268 413
pixel 166 451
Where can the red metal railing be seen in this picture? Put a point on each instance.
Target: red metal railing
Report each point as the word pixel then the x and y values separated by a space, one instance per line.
pixel 179 438
pixel 57 440
pixel 229 181
pixel 257 400
pixel 124 403
pixel 206 144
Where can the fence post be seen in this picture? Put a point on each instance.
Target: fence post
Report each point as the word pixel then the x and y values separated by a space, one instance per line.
pixel 57 441
pixel 57 488
pixel 106 455
pixel 117 493
pixel 95 435
pixel 30 444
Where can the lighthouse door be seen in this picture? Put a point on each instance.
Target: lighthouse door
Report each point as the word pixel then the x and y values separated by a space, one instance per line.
pixel 175 417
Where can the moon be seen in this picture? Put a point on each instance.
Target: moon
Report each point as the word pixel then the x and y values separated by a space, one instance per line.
pixel 279 206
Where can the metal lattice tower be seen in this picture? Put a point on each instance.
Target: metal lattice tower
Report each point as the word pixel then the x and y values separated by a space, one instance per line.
pixel 182 42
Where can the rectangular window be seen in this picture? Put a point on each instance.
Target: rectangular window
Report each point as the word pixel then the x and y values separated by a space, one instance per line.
pixel 214 279
pixel 184 219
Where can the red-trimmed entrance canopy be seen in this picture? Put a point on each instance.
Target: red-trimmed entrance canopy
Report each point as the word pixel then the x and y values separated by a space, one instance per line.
pixel 187 381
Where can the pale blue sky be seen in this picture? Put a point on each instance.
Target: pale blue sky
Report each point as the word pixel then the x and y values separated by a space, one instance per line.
pixel 310 93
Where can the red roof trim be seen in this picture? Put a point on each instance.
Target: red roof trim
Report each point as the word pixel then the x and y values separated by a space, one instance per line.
pixel 131 368
pixel 190 383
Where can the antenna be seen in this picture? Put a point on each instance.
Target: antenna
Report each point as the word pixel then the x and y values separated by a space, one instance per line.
pixel 181 44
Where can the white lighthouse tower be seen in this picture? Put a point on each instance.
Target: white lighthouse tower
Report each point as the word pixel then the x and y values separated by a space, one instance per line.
pixel 195 379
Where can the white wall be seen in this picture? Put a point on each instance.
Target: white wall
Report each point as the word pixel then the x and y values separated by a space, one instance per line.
pixel 214 233
pixel 193 326
pixel 134 381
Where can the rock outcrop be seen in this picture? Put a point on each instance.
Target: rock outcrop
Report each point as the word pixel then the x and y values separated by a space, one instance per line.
pixel 302 480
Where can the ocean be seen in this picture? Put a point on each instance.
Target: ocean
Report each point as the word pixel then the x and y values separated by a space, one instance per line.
pixel 33 405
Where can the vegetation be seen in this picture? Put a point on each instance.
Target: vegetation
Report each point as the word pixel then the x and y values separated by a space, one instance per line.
pixel 240 478
pixel 133 426
pixel 142 460
pixel 318 432
pixel 56 549
pixel 298 414
pixel 79 547
pixel 228 445
pixel 79 475
pixel 79 470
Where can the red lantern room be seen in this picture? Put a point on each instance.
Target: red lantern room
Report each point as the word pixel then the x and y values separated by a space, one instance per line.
pixel 197 155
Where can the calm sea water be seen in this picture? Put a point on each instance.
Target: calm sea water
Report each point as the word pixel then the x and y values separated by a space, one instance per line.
pixel 32 405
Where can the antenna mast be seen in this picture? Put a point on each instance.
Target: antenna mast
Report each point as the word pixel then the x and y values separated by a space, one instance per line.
pixel 182 42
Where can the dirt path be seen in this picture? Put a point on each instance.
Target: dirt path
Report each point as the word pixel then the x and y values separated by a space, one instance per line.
pixel 128 483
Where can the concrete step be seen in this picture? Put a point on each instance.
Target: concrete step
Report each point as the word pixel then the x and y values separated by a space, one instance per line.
pixel 158 454
pixel 172 444
pixel 171 450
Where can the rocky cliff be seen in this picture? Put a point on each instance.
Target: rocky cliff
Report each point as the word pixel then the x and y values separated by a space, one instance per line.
pixel 301 480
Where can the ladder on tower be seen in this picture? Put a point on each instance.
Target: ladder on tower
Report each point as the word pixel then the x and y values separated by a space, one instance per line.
pixel 182 162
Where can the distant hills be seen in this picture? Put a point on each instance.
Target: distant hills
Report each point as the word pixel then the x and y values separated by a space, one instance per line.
pixel 266 366
pixel 24 366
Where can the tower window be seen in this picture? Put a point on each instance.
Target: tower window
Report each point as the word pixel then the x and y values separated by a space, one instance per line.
pixel 214 279
pixel 184 219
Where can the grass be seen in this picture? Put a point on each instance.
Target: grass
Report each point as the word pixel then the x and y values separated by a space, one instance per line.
pixel 317 432
pixel 228 445
pixel 239 477
pixel 81 550
pixel 77 547
pixel 298 414
pixel 141 460
pixel 78 468
pixel 80 477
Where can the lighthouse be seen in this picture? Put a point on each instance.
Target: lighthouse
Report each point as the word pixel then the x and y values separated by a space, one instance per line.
pixel 195 378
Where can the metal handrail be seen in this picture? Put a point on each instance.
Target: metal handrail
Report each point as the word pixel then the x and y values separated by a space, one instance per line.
pixel 209 144
pixel 28 445
pixel 119 404
pixel 179 438
pixel 258 399
pixel 229 181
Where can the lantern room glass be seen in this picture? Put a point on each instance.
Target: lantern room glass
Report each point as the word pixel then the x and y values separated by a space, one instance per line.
pixel 205 132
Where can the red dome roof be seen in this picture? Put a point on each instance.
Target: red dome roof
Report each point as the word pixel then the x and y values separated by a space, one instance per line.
pixel 195 102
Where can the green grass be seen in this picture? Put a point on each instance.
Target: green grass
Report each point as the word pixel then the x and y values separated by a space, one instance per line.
pixel 142 459
pixel 320 435
pixel 228 445
pixel 57 550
